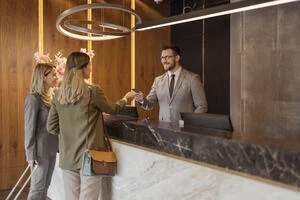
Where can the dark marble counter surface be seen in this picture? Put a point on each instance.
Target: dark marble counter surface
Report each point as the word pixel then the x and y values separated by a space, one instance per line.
pixel 211 146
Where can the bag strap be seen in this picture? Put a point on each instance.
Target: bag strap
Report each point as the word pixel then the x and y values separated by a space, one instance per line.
pixel 103 124
pixel 106 135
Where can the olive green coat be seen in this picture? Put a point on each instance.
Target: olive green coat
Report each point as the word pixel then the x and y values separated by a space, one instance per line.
pixel 69 121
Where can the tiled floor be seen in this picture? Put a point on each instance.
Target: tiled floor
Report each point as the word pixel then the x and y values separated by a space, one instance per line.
pixel 23 195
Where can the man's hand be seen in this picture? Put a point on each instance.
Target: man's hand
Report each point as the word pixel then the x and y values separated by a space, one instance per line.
pixel 139 97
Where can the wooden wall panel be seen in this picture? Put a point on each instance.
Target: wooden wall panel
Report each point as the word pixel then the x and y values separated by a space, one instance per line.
pixel 54 41
pixel 111 65
pixel 148 49
pixel 18 39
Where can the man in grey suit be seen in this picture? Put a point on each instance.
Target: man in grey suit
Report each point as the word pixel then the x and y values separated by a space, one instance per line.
pixel 177 90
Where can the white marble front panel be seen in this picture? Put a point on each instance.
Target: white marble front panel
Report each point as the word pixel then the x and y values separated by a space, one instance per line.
pixel 144 175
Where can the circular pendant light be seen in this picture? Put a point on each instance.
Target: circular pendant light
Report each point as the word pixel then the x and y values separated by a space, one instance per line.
pixel 96 35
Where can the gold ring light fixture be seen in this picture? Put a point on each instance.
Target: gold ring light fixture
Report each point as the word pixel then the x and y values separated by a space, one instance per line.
pixel 94 35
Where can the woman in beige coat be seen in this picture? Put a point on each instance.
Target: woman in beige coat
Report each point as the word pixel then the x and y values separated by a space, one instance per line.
pixel 68 118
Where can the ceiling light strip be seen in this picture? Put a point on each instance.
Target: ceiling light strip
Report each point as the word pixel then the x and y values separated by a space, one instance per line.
pixel 211 12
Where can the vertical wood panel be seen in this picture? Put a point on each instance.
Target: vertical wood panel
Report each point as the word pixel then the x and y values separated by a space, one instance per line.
pixel 54 41
pixel 111 65
pixel 148 49
pixel 18 24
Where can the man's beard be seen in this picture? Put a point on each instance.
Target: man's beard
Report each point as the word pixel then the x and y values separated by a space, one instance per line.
pixel 171 67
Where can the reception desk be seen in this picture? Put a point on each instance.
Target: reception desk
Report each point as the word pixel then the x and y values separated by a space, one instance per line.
pixel 159 160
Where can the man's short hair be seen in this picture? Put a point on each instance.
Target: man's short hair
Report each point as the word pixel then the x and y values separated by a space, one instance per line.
pixel 174 47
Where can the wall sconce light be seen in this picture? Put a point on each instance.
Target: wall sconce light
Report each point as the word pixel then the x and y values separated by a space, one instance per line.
pixel 211 12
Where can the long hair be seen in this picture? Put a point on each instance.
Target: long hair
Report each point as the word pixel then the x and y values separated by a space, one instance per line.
pixel 73 84
pixel 37 81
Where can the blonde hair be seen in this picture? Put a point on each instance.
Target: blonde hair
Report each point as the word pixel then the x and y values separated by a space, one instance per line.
pixel 73 84
pixel 37 81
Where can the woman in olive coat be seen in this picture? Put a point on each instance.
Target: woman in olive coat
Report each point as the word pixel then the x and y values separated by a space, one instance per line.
pixel 68 118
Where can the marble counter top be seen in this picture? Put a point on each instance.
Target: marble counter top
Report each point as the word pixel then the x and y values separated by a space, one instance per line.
pixel 211 146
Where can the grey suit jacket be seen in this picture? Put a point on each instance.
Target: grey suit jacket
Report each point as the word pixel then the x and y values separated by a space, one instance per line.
pixel 188 96
pixel 39 143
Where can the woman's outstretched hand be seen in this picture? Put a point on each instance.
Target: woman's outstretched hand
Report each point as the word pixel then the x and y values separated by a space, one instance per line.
pixel 129 95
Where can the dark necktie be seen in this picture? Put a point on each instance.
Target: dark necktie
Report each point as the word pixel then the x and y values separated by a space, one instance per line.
pixel 172 85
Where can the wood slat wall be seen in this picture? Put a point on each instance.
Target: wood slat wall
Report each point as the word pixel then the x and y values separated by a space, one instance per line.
pixel 148 50
pixel 54 41
pixel 18 38
pixel 111 65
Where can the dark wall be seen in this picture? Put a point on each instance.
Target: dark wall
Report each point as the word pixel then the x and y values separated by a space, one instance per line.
pixel 183 6
pixel 208 55
pixel 189 38
pixel 217 64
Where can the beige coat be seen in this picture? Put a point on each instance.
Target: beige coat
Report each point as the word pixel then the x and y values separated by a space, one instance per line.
pixel 70 122
pixel 188 96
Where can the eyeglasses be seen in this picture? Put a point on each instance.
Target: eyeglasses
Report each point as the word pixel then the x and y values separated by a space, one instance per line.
pixel 166 57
